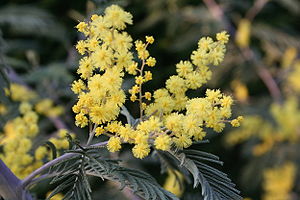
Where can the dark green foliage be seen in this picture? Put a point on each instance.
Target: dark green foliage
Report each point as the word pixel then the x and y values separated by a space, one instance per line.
pixel 214 184
pixel 27 20
pixel 4 82
pixel 71 176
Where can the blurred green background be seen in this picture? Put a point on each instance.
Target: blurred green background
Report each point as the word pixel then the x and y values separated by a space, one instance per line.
pixel 261 71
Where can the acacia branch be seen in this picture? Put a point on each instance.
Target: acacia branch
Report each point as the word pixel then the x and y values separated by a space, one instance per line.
pixel 10 185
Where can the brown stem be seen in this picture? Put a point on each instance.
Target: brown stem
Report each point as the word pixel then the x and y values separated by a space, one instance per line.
pixel 255 9
pixel 141 92
pixel 264 74
pixel 247 53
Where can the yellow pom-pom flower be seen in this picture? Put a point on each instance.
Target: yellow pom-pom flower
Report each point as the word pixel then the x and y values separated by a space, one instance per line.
pixel 114 144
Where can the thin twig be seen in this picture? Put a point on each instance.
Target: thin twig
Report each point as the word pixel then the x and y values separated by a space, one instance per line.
pixel 91 135
pixel 255 9
pixel 141 92
pixel 247 53
pixel 129 118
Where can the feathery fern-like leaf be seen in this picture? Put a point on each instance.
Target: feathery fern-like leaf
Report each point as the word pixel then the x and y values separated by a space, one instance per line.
pixel 71 176
pixel 215 185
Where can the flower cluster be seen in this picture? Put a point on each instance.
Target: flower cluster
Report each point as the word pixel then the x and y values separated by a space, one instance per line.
pixel 20 93
pixel 46 107
pixel 19 134
pixel 106 54
pixel 17 142
pixel 167 116
pixel 286 117
pixel 279 181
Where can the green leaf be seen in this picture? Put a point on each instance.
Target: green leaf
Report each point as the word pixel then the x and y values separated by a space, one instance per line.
pixel 30 20
pixel 138 181
pixel 55 72
pixel 72 179
pixel 71 176
pixel 214 184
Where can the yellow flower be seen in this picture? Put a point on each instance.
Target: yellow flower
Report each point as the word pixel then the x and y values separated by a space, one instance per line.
pixel 149 39
pixel 102 57
pixel 114 126
pixel 213 95
pixel 148 76
pixel 116 17
pixel 240 91
pixel 141 150
pixel 78 86
pixel 148 96
pixel 183 68
pixel 205 43
pixel 81 120
pixel 242 37
pixel 85 68
pixel 199 107
pixel 82 26
pixel 226 101
pixel 122 41
pixel 163 142
pixel 30 117
pixel 182 141
pixel 126 133
pixel 223 37
pixel 3 109
pixel 139 80
pixel 133 98
pixel 293 77
pixel 81 47
pixel 139 46
pixel 235 123
pixel 151 62
pixel 132 68
pixel 25 107
pixel 152 124
pixel 99 131
pixel 101 95
pixel 135 89
pixel 143 54
pixel 240 118
pixel 40 153
pixel 175 85
pixel 191 125
pixel 114 144
pixel 216 55
pixel 274 186
pixel 199 57
pixel 21 93
pixel 174 182
pixel 173 121
pixel 288 57
pixel 193 80
pixel 104 113
pixel 58 196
